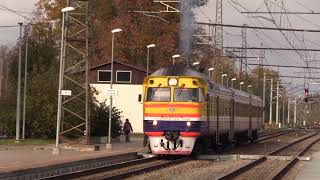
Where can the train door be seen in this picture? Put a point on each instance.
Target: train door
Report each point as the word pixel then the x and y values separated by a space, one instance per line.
pixel 209 114
pixel 231 129
pixel 250 118
pixel 217 122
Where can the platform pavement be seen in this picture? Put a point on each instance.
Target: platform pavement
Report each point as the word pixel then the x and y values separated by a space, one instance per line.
pixel 23 157
pixel 311 169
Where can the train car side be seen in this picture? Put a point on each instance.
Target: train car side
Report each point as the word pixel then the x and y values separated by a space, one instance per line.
pixel 195 113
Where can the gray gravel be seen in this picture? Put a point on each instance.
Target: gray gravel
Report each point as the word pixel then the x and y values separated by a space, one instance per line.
pixel 204 169
pixel 197 169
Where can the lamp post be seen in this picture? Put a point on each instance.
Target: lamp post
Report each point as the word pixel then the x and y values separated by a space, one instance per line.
pixel 249 86
pixel 174 57
pixel 209 70
pixel 148 56
pixel 223 75
pixel 64 11
pixel 19 89
pixel 109 145
pixel 233 79
pixel 241 83
pixel 197 63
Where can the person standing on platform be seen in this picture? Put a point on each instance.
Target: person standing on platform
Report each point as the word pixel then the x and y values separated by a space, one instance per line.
pixel 127 128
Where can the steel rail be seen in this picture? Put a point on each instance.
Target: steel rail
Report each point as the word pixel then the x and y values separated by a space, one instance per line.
pixel 273 135
pixel 281 172
pixel 107 168
pixel 254 163
pixel 146 169
pixel 92 171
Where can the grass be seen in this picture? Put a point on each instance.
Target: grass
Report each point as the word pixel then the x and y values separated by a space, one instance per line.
pixel 11 142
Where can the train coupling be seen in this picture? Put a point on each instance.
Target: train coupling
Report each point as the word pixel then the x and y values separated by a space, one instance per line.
pixel 176 144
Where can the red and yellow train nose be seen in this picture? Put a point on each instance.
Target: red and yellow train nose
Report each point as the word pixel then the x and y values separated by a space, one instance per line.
pixel 172 128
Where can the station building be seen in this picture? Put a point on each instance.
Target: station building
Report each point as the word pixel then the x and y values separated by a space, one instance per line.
pixel 127 80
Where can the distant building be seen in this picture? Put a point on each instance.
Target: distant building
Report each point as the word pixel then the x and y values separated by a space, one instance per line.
pixel 127 80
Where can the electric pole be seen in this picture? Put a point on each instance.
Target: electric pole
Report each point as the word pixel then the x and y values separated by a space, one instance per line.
pixel 271 98
pixel 283 102
pixel 218 36
pixel 277 105
pixel 25 88
pixel 19 89
pixel 244 51
pixel 264 98
pixel 295 112
pixel 288 119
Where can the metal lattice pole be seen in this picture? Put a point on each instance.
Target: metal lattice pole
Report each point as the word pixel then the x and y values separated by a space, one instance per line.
pixel 218 36
pixel 244 52
pixel 75 123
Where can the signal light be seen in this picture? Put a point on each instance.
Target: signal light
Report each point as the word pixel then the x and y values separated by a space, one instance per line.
pixel 306 92
pixel 306 100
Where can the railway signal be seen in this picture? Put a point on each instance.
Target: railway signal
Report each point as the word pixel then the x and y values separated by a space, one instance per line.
pixel 306 92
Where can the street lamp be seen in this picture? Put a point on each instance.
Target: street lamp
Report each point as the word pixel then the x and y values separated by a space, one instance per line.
pixel 233 79
pixel 64 11
pixel 223 75
pixel 209 70
pixel 241 83
pixel 195 63
pixel 249 86
pixel 109 146
pixel 148 47
pixel 174 57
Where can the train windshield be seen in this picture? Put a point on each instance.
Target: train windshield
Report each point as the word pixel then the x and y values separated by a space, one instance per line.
pixel 158 94
pixel 188 95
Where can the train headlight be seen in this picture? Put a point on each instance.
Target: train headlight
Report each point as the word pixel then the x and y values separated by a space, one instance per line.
pixel 188 123
pixel 155 122
pixel 173 82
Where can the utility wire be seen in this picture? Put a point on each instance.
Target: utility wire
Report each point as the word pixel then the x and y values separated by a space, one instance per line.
pixel 23 12
pixel 15 12
pixel 9 26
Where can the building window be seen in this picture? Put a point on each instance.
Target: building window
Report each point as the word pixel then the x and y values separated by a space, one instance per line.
pixel 104 75
pixel 124 76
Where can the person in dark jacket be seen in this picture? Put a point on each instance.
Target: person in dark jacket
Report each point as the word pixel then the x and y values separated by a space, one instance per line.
pixel 127 128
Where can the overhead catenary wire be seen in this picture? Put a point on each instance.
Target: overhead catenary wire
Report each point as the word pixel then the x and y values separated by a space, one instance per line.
pixel 233 3
pixel 257 32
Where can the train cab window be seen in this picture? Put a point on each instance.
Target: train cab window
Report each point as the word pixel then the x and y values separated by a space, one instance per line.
pixel 158 94
pixel 187 95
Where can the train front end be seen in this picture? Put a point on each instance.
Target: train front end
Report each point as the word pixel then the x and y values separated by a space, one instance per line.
pixel 174 113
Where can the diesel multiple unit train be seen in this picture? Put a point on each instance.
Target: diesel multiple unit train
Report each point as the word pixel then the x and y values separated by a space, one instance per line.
pixel 185 111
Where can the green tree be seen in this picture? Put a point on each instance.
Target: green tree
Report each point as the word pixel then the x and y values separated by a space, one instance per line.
pixel 100 120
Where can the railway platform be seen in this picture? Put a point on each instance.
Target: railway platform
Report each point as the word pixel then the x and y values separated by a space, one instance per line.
pixel 310 170
pixel 16 158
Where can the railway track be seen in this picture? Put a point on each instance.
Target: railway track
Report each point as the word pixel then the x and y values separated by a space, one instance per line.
pixel 273 135
pixel 122 170
pixel 313 138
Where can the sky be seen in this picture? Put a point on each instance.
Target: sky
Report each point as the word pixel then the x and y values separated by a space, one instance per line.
pixel 231 35
pixel 9 35
pixel 272 38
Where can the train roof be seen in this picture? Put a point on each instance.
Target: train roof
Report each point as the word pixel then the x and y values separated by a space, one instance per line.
pixel 182 70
